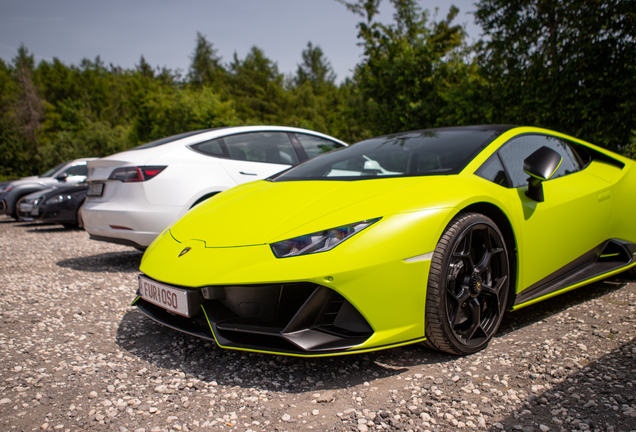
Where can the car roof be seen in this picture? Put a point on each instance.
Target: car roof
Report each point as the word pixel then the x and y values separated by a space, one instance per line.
pixel 208 134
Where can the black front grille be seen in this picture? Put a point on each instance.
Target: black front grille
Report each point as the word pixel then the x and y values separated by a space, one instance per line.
pixel 286 318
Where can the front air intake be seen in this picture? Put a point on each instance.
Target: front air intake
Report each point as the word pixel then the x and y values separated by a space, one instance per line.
pixel 301 317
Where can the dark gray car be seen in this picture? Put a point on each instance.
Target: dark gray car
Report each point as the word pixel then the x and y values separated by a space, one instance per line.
pixel 65 174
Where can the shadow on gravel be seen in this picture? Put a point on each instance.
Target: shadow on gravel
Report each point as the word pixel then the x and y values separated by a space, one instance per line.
pixel 125 262
pixel 170 349
pixel 599 395
pixel 33 224
pixel 539 311
pixel 53 228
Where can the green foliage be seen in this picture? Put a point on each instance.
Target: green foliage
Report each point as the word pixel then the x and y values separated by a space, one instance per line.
pixel 315 69
pixel 630 149
pixel 415 75
pixel 256 86
pixel 206 66
pixel 566 65
pixel 167 112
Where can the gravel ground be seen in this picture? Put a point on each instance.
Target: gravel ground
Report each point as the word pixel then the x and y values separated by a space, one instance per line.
pixel 75 356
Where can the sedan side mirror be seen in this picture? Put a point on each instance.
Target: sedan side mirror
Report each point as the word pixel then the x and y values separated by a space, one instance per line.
pixel 62 177
pixel 540 166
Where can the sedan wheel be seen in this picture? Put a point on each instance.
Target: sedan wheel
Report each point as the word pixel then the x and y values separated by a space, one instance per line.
pixel 468 285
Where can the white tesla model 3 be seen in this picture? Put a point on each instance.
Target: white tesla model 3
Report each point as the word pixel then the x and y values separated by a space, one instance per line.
pixel 133 195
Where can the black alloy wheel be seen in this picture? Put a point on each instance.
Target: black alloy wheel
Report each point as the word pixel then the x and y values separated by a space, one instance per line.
pixel 468 285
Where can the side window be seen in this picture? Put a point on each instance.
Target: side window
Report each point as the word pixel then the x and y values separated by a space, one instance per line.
pixel 315 146
pixel 269 147
pixel 518 149
pixel 212 148
pixel 493 170
pixel 77 170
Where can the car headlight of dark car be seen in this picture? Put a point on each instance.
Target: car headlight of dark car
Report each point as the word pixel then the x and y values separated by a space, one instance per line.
pixel 5 189
pixel 320 241
pixel 58 199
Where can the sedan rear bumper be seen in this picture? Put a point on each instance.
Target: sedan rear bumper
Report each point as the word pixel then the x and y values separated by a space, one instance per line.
pixel 136 227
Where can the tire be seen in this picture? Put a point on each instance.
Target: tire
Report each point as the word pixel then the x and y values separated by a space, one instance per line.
pixel 16 213
pixel 468 285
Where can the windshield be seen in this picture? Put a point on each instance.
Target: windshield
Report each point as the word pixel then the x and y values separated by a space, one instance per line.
pixel 53 170
pixel 169 139
pixel 418 153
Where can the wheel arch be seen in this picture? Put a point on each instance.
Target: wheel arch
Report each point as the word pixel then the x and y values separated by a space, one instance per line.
pixel 20 192
pixel 503 223
pixel 204 197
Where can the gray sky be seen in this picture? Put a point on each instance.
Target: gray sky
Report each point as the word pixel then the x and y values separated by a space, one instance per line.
pixel 164 32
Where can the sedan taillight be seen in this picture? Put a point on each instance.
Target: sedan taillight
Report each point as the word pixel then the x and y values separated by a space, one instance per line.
pixel 136 174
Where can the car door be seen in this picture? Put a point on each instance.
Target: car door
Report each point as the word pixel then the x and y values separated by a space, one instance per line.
pixel 573 218
pixel 257 155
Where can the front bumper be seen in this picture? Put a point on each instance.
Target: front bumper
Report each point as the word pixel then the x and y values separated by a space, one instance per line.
pixel 63 213
pixel 301 318
pixel 378 290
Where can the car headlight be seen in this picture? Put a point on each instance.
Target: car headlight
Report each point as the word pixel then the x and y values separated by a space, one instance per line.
pixel 58 199
pixel 320 241
pixel 5 189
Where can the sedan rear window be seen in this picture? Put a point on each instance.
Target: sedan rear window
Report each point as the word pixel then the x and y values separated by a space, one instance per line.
pixel 169 139
pixel 418 153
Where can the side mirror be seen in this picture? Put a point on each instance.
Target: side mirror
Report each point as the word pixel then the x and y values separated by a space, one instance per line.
pixel 62 177
pixel 540 166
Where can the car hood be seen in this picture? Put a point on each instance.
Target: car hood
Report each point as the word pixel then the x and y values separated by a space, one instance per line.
pixel 49 193
pixel 34 180
pixel 35 195
pixel 264 212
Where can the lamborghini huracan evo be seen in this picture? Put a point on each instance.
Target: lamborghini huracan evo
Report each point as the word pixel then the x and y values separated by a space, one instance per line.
pixel 418 236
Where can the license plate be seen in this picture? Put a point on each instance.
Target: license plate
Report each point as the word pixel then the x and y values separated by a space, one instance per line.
pixel 25 207
pixel 95 189
pixel 170 298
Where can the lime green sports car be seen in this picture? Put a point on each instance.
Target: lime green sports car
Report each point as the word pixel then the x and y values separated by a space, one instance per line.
pixel 418 236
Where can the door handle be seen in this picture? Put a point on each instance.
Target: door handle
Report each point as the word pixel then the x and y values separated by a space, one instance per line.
pixel 244 173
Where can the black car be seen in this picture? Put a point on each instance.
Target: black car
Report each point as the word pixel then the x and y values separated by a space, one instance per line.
pixel 61 205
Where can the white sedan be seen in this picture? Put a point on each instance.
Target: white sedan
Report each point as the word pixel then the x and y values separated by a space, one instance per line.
pixel 133 195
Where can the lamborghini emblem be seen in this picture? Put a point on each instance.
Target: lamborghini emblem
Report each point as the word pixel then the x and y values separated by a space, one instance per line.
pixel 185 251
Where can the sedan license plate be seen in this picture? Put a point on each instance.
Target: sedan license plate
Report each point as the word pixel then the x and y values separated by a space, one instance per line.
pixel 95 190
pixel 170 298
pixel 26 207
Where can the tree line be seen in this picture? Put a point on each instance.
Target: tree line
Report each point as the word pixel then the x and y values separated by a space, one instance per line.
pixel 567 65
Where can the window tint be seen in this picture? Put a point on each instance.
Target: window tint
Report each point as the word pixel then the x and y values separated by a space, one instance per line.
pixel 77 170
pixel 518 149
pixel 53 170
pixel 417 153
pixel 315 146
pixel 213 148
pixel 270 147
pixel 169 139
pixel 493 170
